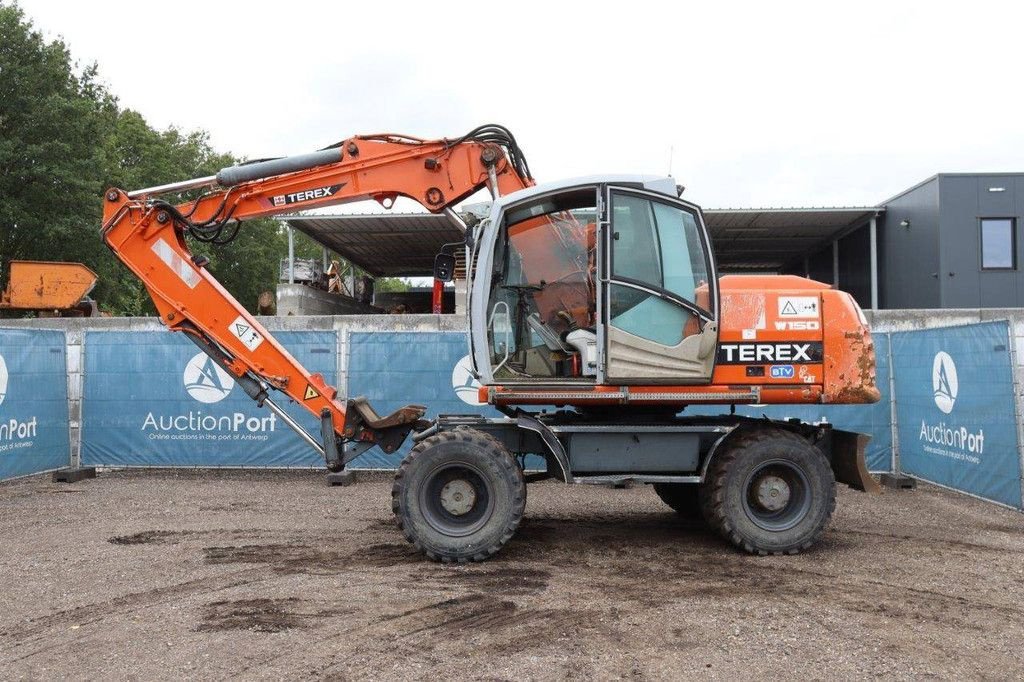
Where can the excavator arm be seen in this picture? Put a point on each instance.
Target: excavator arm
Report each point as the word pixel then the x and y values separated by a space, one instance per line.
pixel 149 235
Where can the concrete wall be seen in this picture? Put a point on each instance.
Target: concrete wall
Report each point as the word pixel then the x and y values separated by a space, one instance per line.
pixel 298 299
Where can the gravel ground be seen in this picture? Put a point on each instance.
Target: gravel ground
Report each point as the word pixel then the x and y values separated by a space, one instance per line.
pixel 275 575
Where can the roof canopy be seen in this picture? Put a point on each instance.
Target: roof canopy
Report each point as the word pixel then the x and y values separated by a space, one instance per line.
pixel 384 245
pixel 404 244
pixel 770 238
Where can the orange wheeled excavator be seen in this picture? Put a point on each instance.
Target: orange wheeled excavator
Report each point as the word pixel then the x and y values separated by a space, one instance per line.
pixel 596 316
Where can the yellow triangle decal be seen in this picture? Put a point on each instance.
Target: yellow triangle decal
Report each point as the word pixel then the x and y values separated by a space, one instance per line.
pixel 310 393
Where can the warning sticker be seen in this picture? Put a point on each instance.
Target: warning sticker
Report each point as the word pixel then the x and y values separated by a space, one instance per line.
pixel 310 393
pixel 249 337
pixel 803 307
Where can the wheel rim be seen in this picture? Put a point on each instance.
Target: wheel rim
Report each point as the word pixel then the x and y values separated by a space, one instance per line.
pixel 456 499
pixel 776 495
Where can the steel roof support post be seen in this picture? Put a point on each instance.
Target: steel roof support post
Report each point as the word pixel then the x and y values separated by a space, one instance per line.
pixel 291 255
pixel 835 263
pixel 874 262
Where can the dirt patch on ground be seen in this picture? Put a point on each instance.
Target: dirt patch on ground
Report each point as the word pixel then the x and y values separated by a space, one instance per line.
pixel 276 575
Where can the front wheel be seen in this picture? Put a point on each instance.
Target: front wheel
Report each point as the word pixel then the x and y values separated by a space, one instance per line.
pixel 769 492
pixel 459 496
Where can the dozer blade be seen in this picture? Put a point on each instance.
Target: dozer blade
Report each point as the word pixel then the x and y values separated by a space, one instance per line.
pixel 43 285
pixel 848 461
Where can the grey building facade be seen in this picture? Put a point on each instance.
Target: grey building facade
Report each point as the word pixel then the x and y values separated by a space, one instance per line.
pixel 951 241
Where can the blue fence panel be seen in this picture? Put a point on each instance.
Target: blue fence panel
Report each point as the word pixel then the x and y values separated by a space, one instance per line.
pixel 393 369
pixel 956 409
pixel 153 399
pixel 874 420
pixel 33 402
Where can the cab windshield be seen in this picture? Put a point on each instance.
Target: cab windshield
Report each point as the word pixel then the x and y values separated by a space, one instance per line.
pixel 543 285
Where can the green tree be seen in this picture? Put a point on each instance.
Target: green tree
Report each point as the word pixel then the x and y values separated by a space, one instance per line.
pixel 63 140
pixel 52 123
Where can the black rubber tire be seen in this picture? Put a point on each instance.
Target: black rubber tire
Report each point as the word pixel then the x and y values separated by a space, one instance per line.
pixel 729 479
pixel 684 498
pixel 497 478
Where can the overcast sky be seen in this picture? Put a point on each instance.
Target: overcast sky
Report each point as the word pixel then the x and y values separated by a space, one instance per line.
pixel 763 103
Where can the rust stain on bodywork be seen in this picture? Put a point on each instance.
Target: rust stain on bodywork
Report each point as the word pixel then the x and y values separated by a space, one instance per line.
pixel 855 371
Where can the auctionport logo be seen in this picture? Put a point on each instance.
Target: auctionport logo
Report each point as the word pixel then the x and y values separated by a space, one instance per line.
pixel 464 383
pixel 208 383
pixel 945 384
pixel 14 433
pixel 954 441
pixel 205 381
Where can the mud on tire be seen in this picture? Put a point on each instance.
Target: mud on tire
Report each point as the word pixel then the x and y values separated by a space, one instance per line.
pixel 459 496
pixel 769 491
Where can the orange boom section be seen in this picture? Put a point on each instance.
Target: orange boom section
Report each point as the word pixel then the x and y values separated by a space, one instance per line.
pixel 149 234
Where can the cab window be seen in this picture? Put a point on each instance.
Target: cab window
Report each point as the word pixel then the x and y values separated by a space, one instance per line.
pixel 657 244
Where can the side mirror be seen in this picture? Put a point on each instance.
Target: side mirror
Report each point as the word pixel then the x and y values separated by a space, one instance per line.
pixel 444 267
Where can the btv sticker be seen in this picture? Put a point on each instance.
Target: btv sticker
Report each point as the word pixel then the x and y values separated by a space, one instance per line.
pixel 799 307
pixel 783 372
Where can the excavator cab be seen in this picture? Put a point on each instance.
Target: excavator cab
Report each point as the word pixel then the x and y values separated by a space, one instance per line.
pixel 595 282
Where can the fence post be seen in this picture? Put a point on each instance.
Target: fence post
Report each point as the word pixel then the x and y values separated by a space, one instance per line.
pixel 1010 326
pixel 894 427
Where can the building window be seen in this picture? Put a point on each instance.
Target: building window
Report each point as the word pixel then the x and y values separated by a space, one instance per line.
pixel 998 244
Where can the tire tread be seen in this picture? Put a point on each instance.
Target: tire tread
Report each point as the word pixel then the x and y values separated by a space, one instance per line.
pixel 503 458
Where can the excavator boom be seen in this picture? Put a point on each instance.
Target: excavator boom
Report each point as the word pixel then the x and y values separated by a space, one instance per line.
pixel 148 234
pixel 598 296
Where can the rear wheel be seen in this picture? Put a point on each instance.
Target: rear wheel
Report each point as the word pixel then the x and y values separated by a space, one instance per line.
pixel 459 496
pixel 682 497
pixel 769 492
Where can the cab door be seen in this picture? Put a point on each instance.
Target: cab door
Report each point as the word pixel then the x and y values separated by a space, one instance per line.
pixel 659 292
